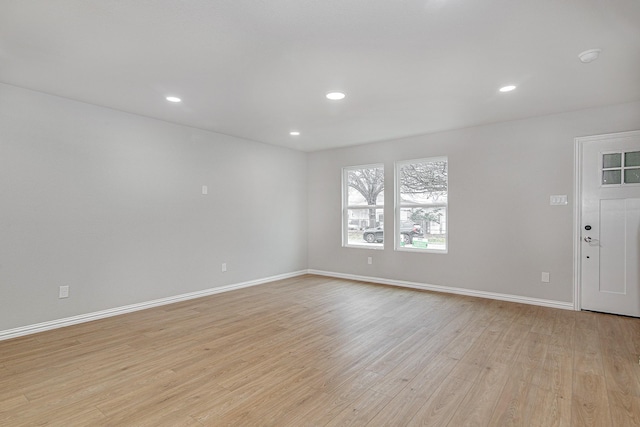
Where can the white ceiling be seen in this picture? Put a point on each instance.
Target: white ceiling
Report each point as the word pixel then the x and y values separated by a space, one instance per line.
pixel 258 69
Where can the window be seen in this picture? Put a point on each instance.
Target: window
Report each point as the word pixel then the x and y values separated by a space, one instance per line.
pixel 617 172
pixel 421 205
pixel 363 206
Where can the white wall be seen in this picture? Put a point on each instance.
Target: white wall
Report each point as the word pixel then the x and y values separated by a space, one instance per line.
pixel 110 204
pixel 502 231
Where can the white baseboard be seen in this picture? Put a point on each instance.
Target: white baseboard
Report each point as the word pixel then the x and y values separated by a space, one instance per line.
pixel 451 290
pixel 68 321
pixel 82 318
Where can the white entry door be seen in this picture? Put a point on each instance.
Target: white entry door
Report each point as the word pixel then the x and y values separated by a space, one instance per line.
pixel 610 223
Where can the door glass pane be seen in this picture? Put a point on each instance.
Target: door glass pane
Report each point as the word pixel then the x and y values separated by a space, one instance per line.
pixel 611 177
pixel 632 159
pixel 612 160
pixel 632 176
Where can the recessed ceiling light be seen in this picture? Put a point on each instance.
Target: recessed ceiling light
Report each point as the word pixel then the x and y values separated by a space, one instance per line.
pixel 507 88
pixel 294 133
pixel 335 96
pixel 589 55
pixel 173 99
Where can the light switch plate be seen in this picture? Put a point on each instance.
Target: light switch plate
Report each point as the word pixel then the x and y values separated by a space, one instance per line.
pixel 558 200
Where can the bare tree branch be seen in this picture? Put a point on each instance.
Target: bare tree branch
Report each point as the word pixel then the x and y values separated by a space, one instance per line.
pixel 429 178
pixel 368 182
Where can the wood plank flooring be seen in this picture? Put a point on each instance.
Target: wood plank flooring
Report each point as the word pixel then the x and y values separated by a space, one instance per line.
pixel 316 351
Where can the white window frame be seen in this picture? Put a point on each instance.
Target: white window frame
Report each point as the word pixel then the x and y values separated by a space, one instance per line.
pixel 399 206
pixel 346 207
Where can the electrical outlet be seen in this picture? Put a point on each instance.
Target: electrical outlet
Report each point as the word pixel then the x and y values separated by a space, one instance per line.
pixel 545 277
pixel 205 190
pixel 224 267
pixel 369 260
pixel 63 292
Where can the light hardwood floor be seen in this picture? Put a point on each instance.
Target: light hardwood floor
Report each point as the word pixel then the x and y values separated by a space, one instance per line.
pixel 316 351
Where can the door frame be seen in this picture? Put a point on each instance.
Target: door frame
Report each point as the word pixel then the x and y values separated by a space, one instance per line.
pixel 577 206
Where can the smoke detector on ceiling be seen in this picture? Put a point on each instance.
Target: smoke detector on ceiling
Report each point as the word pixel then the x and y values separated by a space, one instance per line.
pixel 589 55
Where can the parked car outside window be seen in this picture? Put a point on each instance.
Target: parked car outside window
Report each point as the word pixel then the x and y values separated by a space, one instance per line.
pixel 407 233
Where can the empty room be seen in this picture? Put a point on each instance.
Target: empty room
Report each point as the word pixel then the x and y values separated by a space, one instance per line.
pixel 320 213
